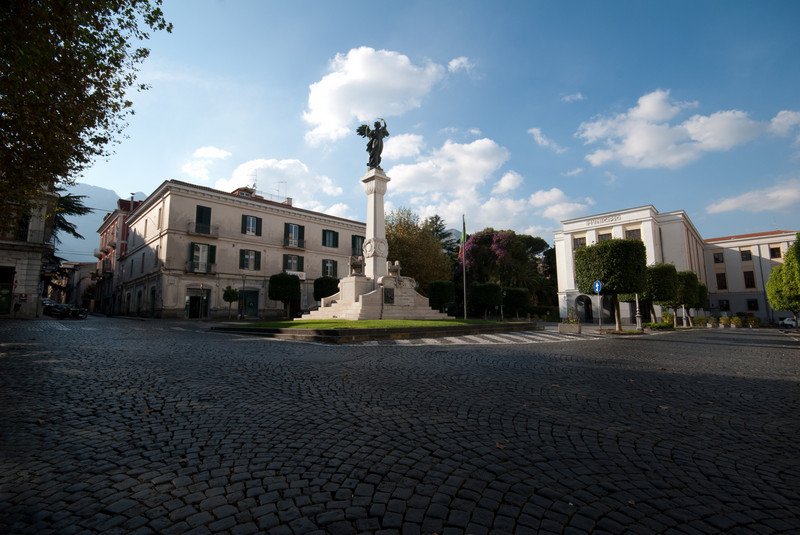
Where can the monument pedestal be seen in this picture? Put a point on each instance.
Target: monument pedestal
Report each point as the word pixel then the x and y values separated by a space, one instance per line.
pixel 374 289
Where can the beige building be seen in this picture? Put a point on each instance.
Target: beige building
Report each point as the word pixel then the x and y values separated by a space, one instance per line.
pixel 739 268
pixel 25 255
pixel 735 269
pixel 187 243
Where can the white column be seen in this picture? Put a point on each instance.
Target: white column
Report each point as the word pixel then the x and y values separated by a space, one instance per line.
pixel 376 249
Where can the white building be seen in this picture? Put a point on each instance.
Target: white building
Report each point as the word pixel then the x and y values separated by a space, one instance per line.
pixel 735 269
pixel 739 268
pixel 186 243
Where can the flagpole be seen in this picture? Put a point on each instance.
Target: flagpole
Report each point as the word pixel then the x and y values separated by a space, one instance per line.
pixel 464 260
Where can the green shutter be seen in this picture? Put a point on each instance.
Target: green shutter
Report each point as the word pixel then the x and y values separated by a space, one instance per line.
pixel 286 262
pixel 336 269
pixel 258 226
pixel 191 251
pixel 286 233
pixel 258 260
pixel 300 262
pixel 244 224
pixel 335 239
pixel 242 252
pixel 212 254
pixel 301 236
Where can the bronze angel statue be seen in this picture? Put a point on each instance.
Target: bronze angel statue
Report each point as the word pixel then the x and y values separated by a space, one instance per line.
pixel 375 143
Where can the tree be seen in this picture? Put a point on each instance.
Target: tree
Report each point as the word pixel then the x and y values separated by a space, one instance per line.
pixel 325 286
pixel 441 294
pixel 230 296
pixel 783 286
pixel 436 226
pixel 418 250
pixel 68 205
pixel 620 265
pixel 687 294
pixel 486 296
pixel 284 288
pixel 67 67
pixel 661 285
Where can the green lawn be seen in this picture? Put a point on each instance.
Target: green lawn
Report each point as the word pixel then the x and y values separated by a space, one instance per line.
pixel 363 324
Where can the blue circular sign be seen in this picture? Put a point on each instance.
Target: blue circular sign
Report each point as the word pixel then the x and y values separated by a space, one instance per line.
pixel 597 287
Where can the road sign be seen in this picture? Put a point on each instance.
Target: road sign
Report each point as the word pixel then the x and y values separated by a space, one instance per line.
pixel 597 287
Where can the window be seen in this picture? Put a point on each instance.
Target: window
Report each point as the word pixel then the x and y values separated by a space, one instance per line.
pixel 633 234
pixel 329 268
pixel 722 281
pixel 719 258
pixel 747 255
pixel 577 243
pixel 724 305
pixel 357 243
pixel 202 257
pixel 604 237
pixel 749 279
pixel 752 305
pixel 330 238
pixel 292 262
pixel 202 220
pixel 249 259
pixel 775 252
pixel 251 225
pixel 294 235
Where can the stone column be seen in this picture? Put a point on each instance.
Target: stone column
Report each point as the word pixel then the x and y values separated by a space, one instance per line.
pixel 376 249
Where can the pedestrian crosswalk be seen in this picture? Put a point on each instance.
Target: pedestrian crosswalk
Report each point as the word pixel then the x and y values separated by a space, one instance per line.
pixel 524 337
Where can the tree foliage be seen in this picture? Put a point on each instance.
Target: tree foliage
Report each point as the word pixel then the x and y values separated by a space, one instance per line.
pixel 436 226
pixel 69 205
pixel 325 286
pixel 688 291
pixel 511 260
pixel 230 296
pixel 485 296
pixel 418 250
pixel 67 66
pixel 441 294
pixel 620 266
pixel 783 286
pixel 284 288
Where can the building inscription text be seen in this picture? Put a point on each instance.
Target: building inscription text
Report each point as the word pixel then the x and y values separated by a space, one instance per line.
pixel 603 220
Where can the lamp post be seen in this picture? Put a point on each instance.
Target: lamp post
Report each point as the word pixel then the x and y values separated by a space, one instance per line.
pixel 638 315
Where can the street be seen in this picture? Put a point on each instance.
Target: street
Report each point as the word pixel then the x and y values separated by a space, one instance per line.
pixel 110 425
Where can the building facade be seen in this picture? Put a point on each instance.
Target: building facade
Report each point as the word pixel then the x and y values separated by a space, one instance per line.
pixel 744 262
pixel 113 245
pixel 25 254
pixel 739 268
pixel 187 243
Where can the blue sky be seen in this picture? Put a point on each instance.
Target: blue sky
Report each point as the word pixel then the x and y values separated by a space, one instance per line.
pixel 516 114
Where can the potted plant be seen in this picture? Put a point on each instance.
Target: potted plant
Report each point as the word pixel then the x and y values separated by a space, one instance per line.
pixel 571 324
pixel 736 322
pixel 724 321
pixel 712 322
pixel 753 321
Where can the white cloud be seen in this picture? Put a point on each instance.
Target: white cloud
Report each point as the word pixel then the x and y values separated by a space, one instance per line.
pixel 574 172
pixel 454 166
pixel 304 187
pixel 544 198
pixel 402 146
pixel 508 182
pixel 363 84
pixel 210 152
pixel 643 137
pixel 784 121
pixel 460 64
pixel 545 142
pixel 565 210
pixel 573 98
pixel 782 196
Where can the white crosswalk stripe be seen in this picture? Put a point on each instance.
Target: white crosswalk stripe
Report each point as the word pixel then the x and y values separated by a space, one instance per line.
pixel 526 337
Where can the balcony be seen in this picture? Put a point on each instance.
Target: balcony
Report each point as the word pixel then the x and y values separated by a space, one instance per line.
pixel 293 243
pixel 193 227
pixel 200 267
pixel 98 254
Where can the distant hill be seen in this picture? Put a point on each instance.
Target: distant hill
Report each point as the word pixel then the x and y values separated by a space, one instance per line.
pixel 103 201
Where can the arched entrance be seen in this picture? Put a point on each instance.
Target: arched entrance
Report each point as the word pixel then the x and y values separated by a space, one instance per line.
pixel 583 309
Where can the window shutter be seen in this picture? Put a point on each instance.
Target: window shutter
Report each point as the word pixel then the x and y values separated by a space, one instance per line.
pixel 300 262
pixel 212 254
pixel 286 233
pixel 258 260
pixel 242 253
pixel 258 226
pixel 191 251
pixel 336 239
pixel 286 262
pixel 301 233
pixel 244 224
pixel 336 269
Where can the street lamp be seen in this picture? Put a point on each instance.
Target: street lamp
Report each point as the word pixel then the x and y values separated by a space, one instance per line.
pixel 638 315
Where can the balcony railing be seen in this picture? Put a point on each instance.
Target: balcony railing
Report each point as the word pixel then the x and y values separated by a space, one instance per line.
pixel 200 267
pixel 294 243
pixel 193 227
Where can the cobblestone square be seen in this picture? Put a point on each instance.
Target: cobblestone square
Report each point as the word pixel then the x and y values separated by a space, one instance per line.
pixel 116 426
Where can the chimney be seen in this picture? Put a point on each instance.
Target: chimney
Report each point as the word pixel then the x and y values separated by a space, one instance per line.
pixel 288 201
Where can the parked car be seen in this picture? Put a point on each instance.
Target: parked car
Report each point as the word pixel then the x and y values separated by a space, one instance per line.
pixel 788 323
pixel 58 310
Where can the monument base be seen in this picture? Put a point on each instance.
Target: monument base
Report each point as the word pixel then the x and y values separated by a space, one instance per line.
pixel 362 298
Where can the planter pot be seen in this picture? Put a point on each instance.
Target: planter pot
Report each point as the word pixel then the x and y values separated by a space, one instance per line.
pixel 710 325
pixel 721 326
pixel 735 326
pixel 569 328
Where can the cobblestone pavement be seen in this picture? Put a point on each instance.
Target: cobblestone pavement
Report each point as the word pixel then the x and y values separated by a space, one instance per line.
pixel 147 427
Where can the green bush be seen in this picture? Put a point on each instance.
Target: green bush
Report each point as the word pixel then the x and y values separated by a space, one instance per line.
pixel 667 317
pixel 700 320
pixel 736 321
pixel 725 320
pixel 664 326
pixel 753 321
pixel 441 294
pixel 325 286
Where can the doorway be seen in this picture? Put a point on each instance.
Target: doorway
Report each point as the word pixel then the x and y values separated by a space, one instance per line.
pixel 583 308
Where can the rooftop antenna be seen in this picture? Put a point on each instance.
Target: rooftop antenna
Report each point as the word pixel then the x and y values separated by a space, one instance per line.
pixel 254 174
pixel 278 188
